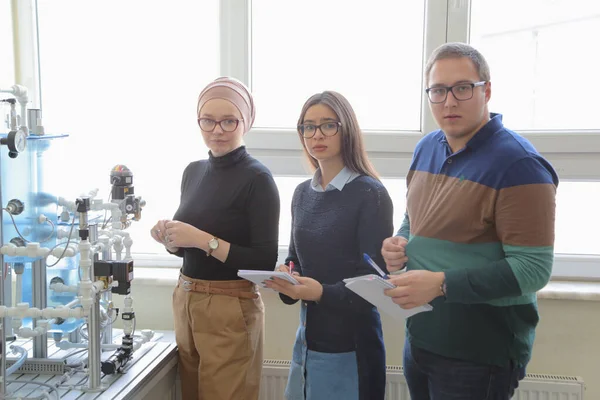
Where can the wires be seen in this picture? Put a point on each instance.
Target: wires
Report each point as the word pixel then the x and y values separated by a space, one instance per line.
pixel 60 244
pixel 84 335
pixel 115 318
pixel 105 210
pixel 106 223
pixel 14 224
pixel 74 354
pixel 51 232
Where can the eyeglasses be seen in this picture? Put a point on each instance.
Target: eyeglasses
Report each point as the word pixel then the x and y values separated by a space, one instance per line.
pixel 209 125
pixel 327 129
pixel 461 92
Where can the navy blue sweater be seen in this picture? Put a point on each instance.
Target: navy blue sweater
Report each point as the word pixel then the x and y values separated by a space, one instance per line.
pixel 330 232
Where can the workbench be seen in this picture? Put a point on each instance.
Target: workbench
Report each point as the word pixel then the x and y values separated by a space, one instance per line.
pixel 150 375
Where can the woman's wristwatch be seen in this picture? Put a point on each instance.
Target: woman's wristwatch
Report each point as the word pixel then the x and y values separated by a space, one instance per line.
pixel 213 244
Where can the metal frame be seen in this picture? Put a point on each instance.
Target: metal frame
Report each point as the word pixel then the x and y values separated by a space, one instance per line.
pixel 39 299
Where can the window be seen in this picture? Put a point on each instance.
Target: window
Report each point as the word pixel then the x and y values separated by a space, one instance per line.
pixel 122 79
pixel 127 86
pixel 371 52
pixel 577 218
pixel 7 73
pixel 397 191
pixel 542 60
pixel 286 186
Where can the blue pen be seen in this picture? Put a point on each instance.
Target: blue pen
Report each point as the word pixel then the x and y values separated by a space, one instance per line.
pixel 370 261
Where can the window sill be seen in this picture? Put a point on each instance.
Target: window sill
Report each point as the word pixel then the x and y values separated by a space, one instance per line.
pixel 571 290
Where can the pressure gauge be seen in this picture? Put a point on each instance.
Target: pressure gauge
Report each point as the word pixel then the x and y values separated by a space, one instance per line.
pixel 16 142
pixel 20 141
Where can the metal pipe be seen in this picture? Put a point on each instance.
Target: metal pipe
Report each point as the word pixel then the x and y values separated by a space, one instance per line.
pixel 39 297
pixel 94 348
pixel 107 296
pixel 108 329
pixel 3 321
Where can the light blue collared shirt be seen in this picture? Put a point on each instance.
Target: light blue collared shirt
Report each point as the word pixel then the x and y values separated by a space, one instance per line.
pixel 341 179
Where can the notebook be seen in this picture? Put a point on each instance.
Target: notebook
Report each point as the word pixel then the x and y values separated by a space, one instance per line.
pixel 371 287
pixel 259 277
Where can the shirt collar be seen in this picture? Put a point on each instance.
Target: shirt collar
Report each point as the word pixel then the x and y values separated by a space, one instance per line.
pixel 486 131
pixel 338 182
pixel 492 126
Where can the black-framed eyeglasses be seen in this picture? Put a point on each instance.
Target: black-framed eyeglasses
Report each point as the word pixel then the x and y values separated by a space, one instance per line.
pixel 227 125
pixel 461 92
pixel 327 129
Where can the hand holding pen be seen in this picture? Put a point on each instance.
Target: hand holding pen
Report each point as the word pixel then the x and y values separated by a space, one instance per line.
pixel 373 264
pixel 288 268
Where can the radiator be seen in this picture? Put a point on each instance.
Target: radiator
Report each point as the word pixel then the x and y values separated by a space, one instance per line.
pixel 533 387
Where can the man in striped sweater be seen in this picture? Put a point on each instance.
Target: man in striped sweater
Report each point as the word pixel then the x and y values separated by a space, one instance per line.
pixel 477 239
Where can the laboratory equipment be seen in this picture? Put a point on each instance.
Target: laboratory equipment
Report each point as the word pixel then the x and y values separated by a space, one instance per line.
pixel 66 257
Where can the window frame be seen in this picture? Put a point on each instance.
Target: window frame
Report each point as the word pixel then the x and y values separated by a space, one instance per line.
pixel 574 154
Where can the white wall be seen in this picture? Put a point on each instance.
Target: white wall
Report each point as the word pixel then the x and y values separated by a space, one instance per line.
pixel 567 338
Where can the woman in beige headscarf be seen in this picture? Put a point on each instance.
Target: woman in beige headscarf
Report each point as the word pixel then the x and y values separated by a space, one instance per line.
pixel 227 220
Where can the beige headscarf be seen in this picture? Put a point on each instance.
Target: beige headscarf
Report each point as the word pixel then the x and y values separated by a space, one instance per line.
pixel 234 91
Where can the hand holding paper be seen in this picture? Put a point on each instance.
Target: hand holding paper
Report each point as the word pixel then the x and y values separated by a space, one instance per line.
pixel 415 288
pixel 259 277
pixel 371 288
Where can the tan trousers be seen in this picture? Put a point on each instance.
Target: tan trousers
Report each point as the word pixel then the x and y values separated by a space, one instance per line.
pixel 220 342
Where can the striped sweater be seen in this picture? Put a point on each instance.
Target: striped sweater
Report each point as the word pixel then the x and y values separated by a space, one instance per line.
pixel 485 217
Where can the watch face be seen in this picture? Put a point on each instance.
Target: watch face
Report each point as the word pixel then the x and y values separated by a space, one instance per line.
pixel 213 243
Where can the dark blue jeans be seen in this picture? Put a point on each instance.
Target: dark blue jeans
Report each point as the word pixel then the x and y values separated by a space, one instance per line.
pixel 433 377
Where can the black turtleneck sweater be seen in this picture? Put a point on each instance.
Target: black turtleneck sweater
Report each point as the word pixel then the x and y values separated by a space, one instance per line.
pixel 234 198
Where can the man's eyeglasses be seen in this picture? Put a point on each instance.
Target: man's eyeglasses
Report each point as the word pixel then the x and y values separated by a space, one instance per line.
pixel 327 129
pixel 227 125
pixel 461 92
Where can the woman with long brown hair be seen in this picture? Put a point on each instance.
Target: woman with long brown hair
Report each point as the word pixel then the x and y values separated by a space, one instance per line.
pixel 339 214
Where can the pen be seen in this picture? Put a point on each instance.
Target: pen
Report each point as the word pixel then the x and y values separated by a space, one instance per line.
pixel 370 261
pixel 291 267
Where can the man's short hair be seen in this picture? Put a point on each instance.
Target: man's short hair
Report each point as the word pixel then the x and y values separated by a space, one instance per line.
pixel 459 50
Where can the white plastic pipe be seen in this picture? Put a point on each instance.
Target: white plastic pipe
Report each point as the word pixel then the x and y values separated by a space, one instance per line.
pixel 63 233
pixel 41 328
pixel 128 242
pixel 20 93
pixel 115 213
pixel 67 204
pixel 34 250
pixel 118 246
pixel 72 303
pixel 23 310
pixel 86 289
pixel 128 308
pixel 62 288
pixel 100 205
pixel 91 194
pixel 98 286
